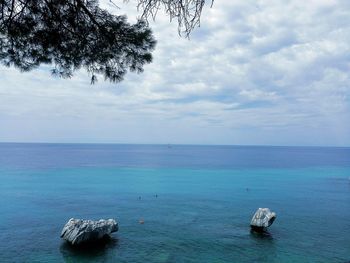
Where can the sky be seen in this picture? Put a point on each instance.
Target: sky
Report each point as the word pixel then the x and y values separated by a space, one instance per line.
pixel 254 73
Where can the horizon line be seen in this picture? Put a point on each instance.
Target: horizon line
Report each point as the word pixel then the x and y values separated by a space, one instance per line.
pixel 178 144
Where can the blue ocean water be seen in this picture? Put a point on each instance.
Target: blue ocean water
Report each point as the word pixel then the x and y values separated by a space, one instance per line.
pixel 196 202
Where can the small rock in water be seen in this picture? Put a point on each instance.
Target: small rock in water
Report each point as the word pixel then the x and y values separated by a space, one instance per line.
pixel 262 219
pixel 77 231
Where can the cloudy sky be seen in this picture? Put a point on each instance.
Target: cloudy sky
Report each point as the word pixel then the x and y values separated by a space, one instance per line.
pixel 256 72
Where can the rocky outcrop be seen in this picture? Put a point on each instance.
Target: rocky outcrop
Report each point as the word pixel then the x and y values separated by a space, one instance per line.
pixel 78 231
pixel 262 219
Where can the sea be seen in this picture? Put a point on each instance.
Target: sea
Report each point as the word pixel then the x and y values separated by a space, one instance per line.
pixel 195 202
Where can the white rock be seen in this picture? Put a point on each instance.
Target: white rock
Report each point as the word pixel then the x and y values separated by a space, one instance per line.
pixel 262 219
pixel 78 231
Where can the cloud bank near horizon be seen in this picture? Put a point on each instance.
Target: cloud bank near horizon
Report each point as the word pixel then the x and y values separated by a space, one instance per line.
pixel 254 73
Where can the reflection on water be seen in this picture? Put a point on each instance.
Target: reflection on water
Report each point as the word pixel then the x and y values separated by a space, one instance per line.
pixel 261 234
pixel 96 251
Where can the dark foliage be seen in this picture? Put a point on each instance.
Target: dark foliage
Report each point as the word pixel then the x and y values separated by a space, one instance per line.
pixel 186 12
pixel 71 34
pixel 74 34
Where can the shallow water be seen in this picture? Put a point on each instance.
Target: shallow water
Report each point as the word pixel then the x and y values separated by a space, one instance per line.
pixel 196 201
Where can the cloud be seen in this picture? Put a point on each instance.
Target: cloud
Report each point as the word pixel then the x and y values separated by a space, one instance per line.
pixel 255 72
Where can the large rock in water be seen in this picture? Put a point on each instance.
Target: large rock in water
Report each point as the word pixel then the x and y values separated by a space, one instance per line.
pixel 262 219
pixel 78 231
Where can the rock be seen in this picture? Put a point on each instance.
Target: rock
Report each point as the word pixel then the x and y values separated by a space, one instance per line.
pixel 78 231
pixel 262 219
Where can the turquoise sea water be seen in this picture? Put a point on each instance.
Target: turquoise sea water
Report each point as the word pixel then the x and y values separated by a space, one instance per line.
pixel 196 202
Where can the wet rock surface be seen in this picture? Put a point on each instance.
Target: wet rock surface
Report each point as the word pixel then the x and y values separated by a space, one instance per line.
pixel 78 231
pixel 262 219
